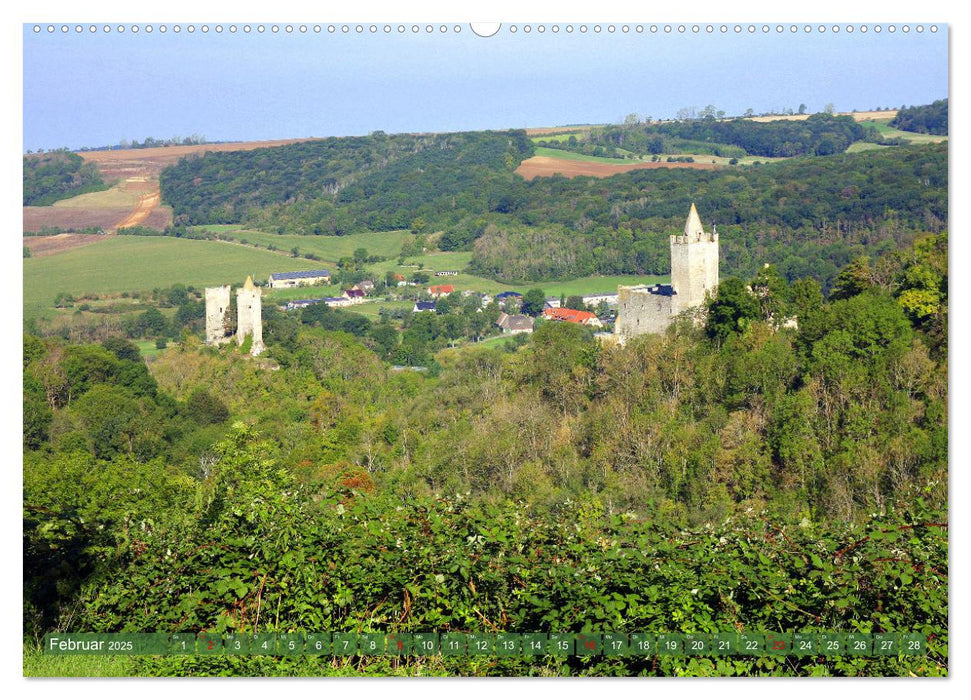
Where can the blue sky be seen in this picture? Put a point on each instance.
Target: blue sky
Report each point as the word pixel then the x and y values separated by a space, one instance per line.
pixel 99 88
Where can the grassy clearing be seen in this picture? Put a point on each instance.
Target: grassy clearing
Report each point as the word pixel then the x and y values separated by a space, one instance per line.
pixel 570 155
pixel 112 198
pixel 885 130
pixel 40 665
pixel 387 244
pixel 281 296
pixel 594 284
pixel 134 263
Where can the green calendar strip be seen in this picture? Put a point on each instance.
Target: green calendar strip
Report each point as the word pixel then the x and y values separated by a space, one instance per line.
pixel 583 644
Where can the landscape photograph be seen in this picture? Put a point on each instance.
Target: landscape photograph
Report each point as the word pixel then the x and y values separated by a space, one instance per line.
pixel 515 350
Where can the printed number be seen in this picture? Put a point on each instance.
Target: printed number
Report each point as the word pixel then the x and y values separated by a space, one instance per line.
pixel 913 645
pixel 427 645
pixel 832 646
pixel 751 646
pixel 722 645
pixel 453 645
pixel 318 645
pixel 536 646
pixel 508 644
pixel 859 646
pixel 237 645
pixel 292 645
pixel 886 645
pixel 616 644
pixel 671 645
pixel 481 645
pixel 644 646
pixel 778 645
pixel 697 645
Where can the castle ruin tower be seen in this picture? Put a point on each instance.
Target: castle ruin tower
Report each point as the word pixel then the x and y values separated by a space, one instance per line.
pixel 249 319
pixel 217 313
pixel 694 264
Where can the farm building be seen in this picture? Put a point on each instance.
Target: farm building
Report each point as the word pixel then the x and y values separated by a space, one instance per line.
pixel 366 286
pixel 446 273
pixel 441 290
pixel 302 303
pixel 586 318
pixel 281 280
pixel 424 306
pixel 338 301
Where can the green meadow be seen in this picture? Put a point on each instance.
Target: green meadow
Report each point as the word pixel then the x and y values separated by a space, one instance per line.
pixel 570 155
pixel 889 132
pixel 135 263
pixel 386 244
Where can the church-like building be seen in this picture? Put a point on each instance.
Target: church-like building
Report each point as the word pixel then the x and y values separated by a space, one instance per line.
pixel 694 274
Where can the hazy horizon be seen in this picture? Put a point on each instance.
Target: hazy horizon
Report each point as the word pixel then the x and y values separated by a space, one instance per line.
pixel 91 90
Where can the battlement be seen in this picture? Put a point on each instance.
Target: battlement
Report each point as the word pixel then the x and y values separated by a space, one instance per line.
pixel 697 237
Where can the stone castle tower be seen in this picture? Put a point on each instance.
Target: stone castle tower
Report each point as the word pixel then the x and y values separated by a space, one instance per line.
pixel 694 264
pixel 249 315
pixel 694 274
pixel 217 315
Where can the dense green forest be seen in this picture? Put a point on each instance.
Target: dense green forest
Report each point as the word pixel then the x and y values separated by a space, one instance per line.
pixel 709 479
pixel 924 119
pixel 807 215
pixel 344 185
pixel 58 175
pixel 821 134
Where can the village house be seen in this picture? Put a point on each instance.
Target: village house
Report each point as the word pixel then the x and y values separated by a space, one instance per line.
pixel 282 280
pixel 441 290
pixel 585 318
pixel 424 306
pixel 514 323
pixel 446 273
pixel 366 286
pixel 354 296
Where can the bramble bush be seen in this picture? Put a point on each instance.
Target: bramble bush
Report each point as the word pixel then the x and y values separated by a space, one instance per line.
pixel 260 553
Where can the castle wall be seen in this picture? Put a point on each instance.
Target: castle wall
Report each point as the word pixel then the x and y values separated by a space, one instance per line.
pixel 639 311
pixel 217 310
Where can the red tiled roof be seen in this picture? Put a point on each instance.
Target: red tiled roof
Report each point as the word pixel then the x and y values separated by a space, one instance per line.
pixel 571 315
pixel 441 289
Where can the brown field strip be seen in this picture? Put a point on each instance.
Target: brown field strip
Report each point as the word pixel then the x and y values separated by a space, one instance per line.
pixel 544 166
pixel 146 203
pixel 49 245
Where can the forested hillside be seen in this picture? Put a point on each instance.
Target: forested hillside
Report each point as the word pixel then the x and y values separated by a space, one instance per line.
pixel 778 438
pixel 58 175
pixel 821 134
pixel 345 185
pixel 925 119
pixel 807 215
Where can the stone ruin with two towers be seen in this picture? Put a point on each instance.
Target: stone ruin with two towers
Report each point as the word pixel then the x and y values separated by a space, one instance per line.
pixel 249 318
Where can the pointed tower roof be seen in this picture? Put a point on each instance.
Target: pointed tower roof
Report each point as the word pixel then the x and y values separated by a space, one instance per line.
pixel 249 286
pixel 693 224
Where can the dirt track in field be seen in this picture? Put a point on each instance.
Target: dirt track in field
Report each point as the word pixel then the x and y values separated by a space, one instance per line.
pixel 146 203
pixel 544 166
